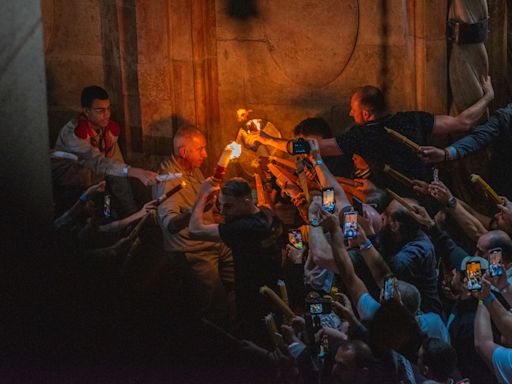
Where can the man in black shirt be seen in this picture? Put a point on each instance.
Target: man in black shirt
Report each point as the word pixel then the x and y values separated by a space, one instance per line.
pixel 252 233
pixel 369 139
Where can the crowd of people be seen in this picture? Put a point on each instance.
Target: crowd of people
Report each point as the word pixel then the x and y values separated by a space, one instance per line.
pixel 372 278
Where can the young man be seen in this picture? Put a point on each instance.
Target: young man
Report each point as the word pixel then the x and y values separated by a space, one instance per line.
pixel 93 138
pixel 253 236
pixel 211 262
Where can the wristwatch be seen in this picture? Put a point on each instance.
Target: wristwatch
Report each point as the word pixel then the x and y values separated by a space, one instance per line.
pixel 452 202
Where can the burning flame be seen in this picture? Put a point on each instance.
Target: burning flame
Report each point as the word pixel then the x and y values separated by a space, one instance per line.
pixel 242 114
pixel 236 150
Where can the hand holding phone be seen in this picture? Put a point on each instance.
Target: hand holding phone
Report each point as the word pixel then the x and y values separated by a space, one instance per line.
pixel 328 201
pixel 350 226
pixel 474 275
pixel 495 263
pixel 388 291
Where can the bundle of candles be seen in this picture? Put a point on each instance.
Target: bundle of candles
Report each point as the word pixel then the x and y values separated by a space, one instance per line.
pixel 263 198
pixel 278 302
pixel 288 184
pixel 398 176
pixel 486 188
pixel 405 140
pixel 171 192
pixel 232 151
pixel 401 200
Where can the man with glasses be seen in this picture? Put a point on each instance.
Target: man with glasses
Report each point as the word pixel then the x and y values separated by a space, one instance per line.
pixel 93 139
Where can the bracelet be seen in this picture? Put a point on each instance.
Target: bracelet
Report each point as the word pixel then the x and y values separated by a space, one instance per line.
pixel 318 162
pixel 367 245
pixel 489 299
pixel 125 170
pixel 83 198
pixel 314 222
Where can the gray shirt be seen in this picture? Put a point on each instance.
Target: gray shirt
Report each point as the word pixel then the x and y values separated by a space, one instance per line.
pixel 179 203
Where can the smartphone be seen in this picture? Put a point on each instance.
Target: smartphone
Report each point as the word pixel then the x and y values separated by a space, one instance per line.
pixel 328 203
pixel 320 307
pixel 495 265
pixel 474 275
pixel 295 238
pixel 350 227
pixel 358 205
pixel 300 147
pixel 389 289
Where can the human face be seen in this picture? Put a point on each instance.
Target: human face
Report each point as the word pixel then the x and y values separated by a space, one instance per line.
pixel 99 113
pixel 482 246
pixel 357 111
pixel 233 207
pixel 194 151
pixel 345 369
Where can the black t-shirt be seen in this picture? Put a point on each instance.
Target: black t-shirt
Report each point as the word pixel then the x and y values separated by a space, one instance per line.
pixel 378 148
pixel 256 252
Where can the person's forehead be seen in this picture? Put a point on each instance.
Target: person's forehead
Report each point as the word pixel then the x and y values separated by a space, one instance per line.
pixel 198 140
pixel 98 103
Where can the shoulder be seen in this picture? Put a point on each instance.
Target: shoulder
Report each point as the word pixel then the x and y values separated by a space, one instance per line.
pixel 80 128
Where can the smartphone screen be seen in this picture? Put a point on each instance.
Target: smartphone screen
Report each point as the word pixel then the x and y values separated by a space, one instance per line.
pixel 350 228
pixel 389 290
pixel 358 205
pixel 316 308
pixel 474 275
pixel 495 266
pixel 328 199
pixel 295 238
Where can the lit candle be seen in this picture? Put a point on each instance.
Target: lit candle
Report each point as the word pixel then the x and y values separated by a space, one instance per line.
pixel 231 151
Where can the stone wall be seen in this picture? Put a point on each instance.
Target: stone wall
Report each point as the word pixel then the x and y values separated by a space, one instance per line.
pixel 168 61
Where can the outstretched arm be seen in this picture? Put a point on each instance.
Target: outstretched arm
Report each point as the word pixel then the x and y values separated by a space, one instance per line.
pixel 461 123
pixel 197 227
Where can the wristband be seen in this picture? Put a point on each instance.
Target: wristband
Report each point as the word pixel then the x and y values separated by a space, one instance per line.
pixel 83 198
pixel 367 245
pixel 314 222
pixel 489 299
pixel 318 162
pixel 125 170
pixel 450 153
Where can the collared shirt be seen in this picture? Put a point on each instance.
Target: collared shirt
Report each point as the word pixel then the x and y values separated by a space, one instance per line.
pixel 179 203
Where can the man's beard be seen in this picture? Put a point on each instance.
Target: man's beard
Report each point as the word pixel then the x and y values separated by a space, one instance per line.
pixel 389 243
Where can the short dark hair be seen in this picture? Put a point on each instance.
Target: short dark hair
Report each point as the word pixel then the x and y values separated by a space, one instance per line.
pixel 409 227
pixel 440 358
pixel 236 187
pixel 90 93
pixel 372 98
pixel 313 126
